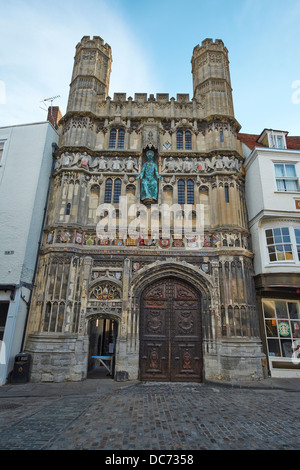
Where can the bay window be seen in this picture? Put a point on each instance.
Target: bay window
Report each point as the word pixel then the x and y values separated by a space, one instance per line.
pixel 283 244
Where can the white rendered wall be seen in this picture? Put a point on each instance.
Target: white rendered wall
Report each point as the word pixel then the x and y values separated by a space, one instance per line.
pixel 24 178
pixel 25 170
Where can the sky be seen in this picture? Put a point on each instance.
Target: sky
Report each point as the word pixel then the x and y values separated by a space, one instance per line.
pixel 152 44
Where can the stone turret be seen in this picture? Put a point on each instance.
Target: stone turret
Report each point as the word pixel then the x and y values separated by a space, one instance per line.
pixel 211 78
pixel 91 74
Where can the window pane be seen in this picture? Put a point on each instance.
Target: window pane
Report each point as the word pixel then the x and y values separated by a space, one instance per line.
pixel 277 232
pixel 269 308
pixel 274 348
pixel 279 142
pixel 108 189
pixel 286 347
pixel 190 192
pixel 226 189
pixel 295 329
pixel 297 232
pixel 271 328
pixel 181 192
pixel 188 140
pixel 290 170
pixel 285 231
pixel 121 138
pixel 280 253
pixel 179 137
pixel 112 138
pixel 289 255
pixel 269 233
pixel 279 169
pixel 280 185
pixel 117 191
pixel 293 310
pixel 281 309
pixel 291 185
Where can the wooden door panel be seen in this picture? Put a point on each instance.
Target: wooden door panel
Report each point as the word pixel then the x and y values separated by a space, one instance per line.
pixel 155 360
pixel 186 361
pixel 170 332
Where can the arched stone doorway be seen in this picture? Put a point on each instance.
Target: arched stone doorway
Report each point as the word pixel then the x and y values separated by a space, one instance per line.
pixel 102 331
pixel 171 332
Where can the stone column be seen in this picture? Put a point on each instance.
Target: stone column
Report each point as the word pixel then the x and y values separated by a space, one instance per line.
pixel 125 368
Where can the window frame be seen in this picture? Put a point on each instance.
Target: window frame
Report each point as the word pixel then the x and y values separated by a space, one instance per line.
pixel 274 319
pixel 294 242
pixel 273 140
pixel 118 141
pixel 112 194
pixel 186 139
pixel 285 178
pixel 185 191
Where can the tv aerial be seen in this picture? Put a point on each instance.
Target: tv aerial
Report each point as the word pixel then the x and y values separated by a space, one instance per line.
pixel 51 101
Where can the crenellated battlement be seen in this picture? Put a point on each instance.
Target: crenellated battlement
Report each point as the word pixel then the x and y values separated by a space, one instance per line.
pixel 94 43
pixel 144 98
pixel 217 45
pixel 212 93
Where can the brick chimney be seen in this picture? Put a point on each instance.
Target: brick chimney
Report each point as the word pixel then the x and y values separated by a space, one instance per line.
pixel 54 115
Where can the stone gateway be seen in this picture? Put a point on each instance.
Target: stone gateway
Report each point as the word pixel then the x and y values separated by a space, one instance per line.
pixel 169 307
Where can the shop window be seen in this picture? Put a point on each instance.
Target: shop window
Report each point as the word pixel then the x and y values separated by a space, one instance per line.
pixel 282 326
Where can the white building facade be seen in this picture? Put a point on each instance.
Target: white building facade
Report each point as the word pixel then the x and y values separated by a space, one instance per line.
pixel 25 169
pixel 272 165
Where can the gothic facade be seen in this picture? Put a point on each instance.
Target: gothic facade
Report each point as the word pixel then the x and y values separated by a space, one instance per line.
pixel 162 306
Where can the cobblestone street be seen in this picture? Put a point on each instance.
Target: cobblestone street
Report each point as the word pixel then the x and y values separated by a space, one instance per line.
pixel 152 417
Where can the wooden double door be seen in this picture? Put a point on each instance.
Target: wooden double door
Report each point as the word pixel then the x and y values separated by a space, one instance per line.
pixel 170 332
